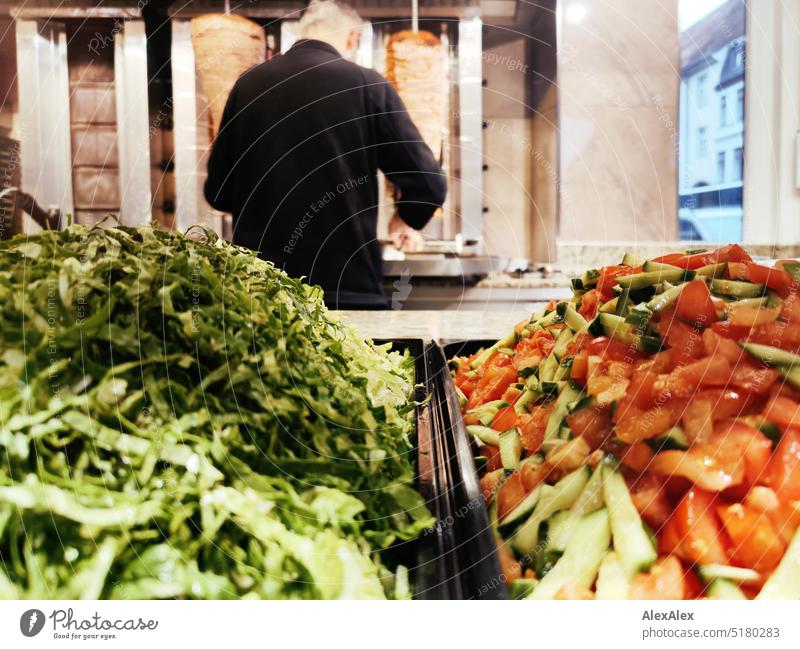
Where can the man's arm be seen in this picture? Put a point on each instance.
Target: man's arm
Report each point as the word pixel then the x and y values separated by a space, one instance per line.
pixel 405 158
pixel 218 189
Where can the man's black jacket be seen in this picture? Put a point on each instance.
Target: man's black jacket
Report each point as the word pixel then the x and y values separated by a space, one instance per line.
pixel 295 161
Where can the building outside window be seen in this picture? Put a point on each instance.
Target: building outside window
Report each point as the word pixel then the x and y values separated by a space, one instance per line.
pixel 710 168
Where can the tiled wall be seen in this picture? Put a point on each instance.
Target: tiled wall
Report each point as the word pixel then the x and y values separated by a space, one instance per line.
pixel 618 90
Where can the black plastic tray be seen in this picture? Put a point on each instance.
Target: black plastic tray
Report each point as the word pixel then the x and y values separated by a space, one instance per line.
pixel 480 575
pixel 435 573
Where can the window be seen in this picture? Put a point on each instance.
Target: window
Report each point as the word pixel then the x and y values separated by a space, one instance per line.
pixel 740 105
pixel 701 91
pixel 711 116
pixel 702 142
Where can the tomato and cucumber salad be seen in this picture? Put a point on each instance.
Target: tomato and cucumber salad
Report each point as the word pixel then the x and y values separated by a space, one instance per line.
pixel 641 440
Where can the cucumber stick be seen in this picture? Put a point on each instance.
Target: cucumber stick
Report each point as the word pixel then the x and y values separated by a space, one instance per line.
pixel 524 508
pixel 581 560
pixel 510 449
pixel 724 589
pixel 784 583
pixel 553 498
pixel 485 435
pixel 569 395
pixel 631 541
pixel 711 571
pixel 509 341
pixel 612 581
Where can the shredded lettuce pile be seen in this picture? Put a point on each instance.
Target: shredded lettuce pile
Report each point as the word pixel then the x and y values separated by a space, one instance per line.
pixel 181 419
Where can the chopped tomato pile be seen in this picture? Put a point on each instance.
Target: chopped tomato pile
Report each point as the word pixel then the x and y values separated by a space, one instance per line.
pixel 642 439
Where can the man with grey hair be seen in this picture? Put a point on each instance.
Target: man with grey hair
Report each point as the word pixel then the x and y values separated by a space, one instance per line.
pixel 297 154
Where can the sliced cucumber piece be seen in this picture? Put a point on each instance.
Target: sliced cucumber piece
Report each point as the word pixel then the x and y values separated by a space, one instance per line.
pixel 523 508
pixel 631 260
pixel 792 375
pixel 643 280
pixel 610 306
pixel 591 498
pixel 521 588
pixel 521 405
pixel 581 559
pixel 569 394
pixel 552 499
pixel 560 530
pixel 510 449
pixel 462 398
pixel 616 327
pixel 548 369
pixel 724 589
pixel 485 434
pixel 673 439
pixel 509 341
pixel 631 541
pixel 574 320
pixel 560 348
pixel 663 300
pixel 654 266
pixel 784 583
pixel 736 289
pixel 590 277
pixel 772 355
pixel 712 270
pixel 712 571
pixel 612 582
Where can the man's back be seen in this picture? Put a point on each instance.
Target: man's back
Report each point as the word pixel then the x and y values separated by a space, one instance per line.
pixel 295 162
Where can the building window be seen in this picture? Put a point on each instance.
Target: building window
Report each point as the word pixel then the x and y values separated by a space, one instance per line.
pixel 702 142
pixel 740 105
pixel 738 163
pixel 701 91
pixel 714 80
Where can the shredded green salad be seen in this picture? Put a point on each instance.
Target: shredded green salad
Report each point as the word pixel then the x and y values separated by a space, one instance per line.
pixel 179 419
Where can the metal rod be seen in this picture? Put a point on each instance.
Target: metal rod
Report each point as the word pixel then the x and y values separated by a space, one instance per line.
pixel 415 15
pixel 227 7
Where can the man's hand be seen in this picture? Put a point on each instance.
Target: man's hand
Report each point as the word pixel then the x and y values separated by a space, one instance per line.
pixel 403 236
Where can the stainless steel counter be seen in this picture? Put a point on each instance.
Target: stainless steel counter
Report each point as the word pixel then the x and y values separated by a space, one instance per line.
pixel 433 325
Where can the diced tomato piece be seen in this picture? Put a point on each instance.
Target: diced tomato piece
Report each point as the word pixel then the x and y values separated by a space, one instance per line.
pixel 745 441
pixel 639 425
pixel 774 278
pixel 673 259
pixel 493 384
pixel 725 403
pixel 580 365
pixel 650 499
pixel 614 350
pixel 698 420
pixel 593 424
pixel 492 455
pixel 468 387
pixel 751 316
pixel 527 353
pixel 637 457
pixel 776 334
pixel 753 378
pixel 713 467
pixel 504 419
pixel 533 474
pixel 664 580
pixel 684 341
pixel 784 468
pixel 607 279
pixel 737 271
pixel 684 380
pixel 694 304
pixel 713 343
pixel 511 395
pixel 511 494
pixel 783 411
pixel 755 543
pixel 731 253
pixel 511 568
pixel 489 482
pixel 532 427
pixel 698 529
pixel 728 330
pixel 590 302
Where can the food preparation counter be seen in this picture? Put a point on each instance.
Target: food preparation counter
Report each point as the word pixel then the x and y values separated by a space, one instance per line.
pixel 434 325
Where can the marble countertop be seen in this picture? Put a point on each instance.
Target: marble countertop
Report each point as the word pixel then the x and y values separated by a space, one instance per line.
pixel 433 325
